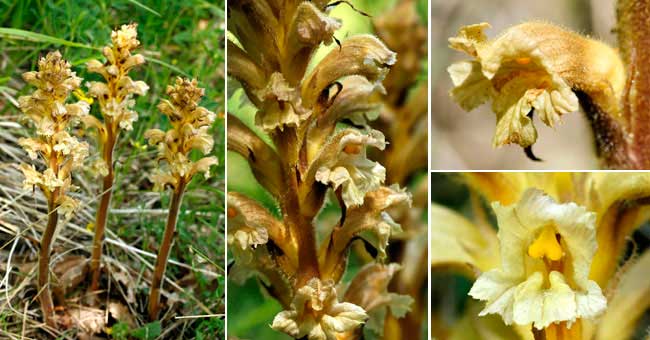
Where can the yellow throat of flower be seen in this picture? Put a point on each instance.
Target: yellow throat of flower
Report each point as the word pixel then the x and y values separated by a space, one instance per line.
pixel 546 245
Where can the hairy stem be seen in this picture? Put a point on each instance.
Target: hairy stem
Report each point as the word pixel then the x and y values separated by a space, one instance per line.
pixel 163 251
pixel 634 40
pixel 102 213
pixel 609 135
pixel 45 294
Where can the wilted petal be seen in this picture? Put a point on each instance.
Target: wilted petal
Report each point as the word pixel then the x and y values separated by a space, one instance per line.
pixel 34 147
pixel 316 313
pixel 369 290
pixel 154 136
pixel 68 206
pixel 278 106
pixel 162 179
pixel 97 89
pixel 32 177
pixel 469 37
pixel 285 321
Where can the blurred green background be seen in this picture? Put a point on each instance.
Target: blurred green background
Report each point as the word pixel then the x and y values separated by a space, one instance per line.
pixel 449 287
pixel 250 310
pixel 178 38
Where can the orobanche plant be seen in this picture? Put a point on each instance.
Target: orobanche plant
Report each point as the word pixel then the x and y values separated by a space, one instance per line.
pixel 313 152
pixel 60 152
pixel 539 68
pixel 553 270
pixel 115 97
pixel 190 125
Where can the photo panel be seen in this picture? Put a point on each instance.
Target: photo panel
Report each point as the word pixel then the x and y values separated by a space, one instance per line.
pixel 112 169
pixel 553 85
pixel 539 255
pixel 327 169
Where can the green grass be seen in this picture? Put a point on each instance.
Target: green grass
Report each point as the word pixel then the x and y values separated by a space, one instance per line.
pixel 178 38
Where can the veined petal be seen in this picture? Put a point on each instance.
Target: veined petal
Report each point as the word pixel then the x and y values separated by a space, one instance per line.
pixel 533 229
pixel 469 37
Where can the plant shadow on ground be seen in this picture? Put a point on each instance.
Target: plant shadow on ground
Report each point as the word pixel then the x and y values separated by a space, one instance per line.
pixel 178 38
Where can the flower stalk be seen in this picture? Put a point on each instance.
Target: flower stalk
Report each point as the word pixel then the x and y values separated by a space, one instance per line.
pixel 190 131
pixel 403 119
pixel 115 97
pixel 60 152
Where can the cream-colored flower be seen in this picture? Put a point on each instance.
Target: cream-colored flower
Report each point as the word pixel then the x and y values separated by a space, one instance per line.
pixel 351 169
pixel 69 146
pixel 531 68
pixel 161 179
pixel 317 314
pixel 68 206
pixel 190 131
pixel 47 109
pixel 98 167
pixel 369 290
pixel 546 254
pixel 203 165
pixel 51 181
pixel 247 222
pixel 115 94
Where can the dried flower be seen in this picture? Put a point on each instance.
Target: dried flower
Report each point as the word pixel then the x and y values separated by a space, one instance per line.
pixel 47 109
pixel 300 111
pixel 190 131
pixel 316 313
pixel 533 67
pixel 115 96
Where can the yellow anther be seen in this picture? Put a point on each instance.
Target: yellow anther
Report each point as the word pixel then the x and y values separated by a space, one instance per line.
pixel 546 245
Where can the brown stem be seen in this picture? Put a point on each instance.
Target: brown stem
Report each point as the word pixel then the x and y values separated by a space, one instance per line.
pixel 45 295
pixel 609 135
pixel 102 213
pixel 297 218
pixel 163 251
